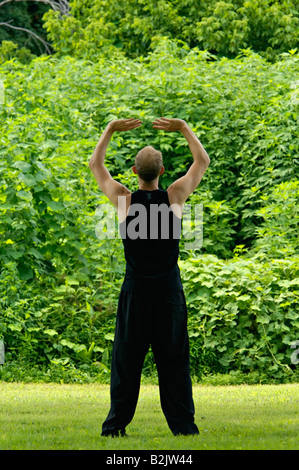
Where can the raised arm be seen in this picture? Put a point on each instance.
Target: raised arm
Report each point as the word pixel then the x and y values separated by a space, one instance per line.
pixel 181 189
pixel 107 184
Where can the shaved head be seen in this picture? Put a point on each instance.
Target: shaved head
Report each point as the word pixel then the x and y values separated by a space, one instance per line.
pixel 148 163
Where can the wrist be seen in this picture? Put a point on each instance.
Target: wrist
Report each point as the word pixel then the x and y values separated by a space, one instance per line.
pixel 184 125
pixel 110 128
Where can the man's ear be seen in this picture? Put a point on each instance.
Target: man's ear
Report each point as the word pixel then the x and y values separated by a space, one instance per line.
pixel 162 170
pixel 134 170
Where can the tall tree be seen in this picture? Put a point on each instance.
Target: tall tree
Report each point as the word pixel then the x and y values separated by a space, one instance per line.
pixel 21 22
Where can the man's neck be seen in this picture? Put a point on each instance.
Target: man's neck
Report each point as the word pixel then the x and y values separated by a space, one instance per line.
pixel 152 186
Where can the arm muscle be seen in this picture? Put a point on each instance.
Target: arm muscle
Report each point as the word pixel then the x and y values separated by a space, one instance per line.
pixel 184 186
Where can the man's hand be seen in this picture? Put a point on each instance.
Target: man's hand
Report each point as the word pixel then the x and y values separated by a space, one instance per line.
pixel 124 124
pixel 113 189
pixel 169 124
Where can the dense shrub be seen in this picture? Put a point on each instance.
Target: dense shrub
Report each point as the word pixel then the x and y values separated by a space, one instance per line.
pixel 59 283
pixel 243 317
pixel 22 16
pixel 243 313
pixel 221 27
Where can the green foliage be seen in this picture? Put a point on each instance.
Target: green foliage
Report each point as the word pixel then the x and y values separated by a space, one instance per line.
pixel 219 225
pixel 10 50
pixel 248 126
pixel 278 233
pixel 59 283
pixel 221 27
pixel 27 15
pixel 243 313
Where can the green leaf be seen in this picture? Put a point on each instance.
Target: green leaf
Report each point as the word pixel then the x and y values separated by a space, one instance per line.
pixel 50 332
pixel 72 281
pixel 55 205
pixel 109 337
pixel 23 166
pixel 15 327
pixel 69 344
pixel 243 297
pixel 27 179
pixel 24 195
pixel 25 271
pixel 35 253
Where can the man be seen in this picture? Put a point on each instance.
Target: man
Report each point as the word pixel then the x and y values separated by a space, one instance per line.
pixel 152 307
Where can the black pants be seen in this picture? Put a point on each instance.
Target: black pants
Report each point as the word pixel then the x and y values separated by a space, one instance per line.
pixel 162 322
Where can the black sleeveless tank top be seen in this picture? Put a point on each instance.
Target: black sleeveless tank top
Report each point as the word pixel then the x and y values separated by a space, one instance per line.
pixel 151 235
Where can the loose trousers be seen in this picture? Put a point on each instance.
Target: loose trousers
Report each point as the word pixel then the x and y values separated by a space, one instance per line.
pixel 160 321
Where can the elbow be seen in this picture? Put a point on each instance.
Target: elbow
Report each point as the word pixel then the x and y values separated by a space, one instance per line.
pixel 204 159
pixel 91 164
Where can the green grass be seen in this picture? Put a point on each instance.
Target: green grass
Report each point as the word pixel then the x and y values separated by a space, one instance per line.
pixel 52 416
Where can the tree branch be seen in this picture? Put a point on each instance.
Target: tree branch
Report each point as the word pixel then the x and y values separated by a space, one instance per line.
pixel 34 35
pixel 59 5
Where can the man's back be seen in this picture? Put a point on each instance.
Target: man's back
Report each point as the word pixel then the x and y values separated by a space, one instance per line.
pixel 151 235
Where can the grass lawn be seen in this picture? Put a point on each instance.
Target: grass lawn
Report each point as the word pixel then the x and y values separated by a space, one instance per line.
pixel 51 416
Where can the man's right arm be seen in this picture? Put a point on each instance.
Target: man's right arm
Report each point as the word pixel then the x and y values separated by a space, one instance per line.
pixel 181 189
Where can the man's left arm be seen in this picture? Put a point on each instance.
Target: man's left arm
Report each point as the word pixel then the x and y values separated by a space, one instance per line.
pixel 111 188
